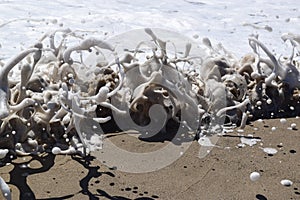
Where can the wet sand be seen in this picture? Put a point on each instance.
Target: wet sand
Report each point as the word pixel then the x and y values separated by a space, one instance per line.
pixel 222 174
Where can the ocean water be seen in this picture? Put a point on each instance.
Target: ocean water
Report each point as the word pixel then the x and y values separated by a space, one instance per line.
pixel 23 22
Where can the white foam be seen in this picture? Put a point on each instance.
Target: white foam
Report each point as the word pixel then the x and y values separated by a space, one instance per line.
pixel 249 141
pixel 270 150
pixel 5 189
pixel 3 153
pixel 283 120
pixel 116 16
pixel 205 141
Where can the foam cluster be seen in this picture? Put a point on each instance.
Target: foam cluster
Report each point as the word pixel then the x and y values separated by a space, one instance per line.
pixel 52 100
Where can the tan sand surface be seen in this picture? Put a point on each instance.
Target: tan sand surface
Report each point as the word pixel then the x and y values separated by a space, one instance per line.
pixel 222 174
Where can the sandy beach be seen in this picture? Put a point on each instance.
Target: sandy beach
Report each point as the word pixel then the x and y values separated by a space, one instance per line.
pixel 222 174
pixel 69 70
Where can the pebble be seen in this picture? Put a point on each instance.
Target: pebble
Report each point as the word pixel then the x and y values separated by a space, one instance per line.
pixel 293 125
pixel 254 176
pixel 286 182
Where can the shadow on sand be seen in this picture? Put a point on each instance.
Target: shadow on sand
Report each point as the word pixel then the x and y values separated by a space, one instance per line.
pixel 20 172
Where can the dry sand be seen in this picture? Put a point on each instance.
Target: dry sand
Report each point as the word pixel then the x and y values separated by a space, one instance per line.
pixel 222 174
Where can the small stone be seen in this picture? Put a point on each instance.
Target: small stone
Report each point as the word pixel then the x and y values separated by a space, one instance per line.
pixel 293 126
pixel 254 176
pixel 286 182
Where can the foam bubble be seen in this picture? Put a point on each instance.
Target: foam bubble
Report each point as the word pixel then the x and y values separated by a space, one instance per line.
pixel 56 150
pixel 283 120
